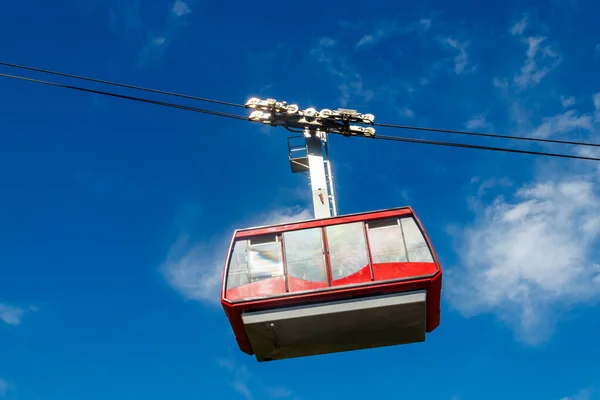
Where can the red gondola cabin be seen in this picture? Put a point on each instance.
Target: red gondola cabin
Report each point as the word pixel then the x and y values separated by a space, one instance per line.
pixel 329 285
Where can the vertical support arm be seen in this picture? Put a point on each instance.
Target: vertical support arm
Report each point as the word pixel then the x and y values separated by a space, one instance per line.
pixel 318 177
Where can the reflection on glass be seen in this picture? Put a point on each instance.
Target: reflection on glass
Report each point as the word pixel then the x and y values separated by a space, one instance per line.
pixel 385 241
pixel 265 260
pixel 304 255
pixel 238 265
pixel 418 251
pixel 347 249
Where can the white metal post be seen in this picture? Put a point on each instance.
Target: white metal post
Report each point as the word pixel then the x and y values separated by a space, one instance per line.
pixel 321 193
pixel 331 188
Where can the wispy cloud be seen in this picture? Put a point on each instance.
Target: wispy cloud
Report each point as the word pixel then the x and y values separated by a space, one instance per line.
pixel 195 269
pixel 566 122
pixel 478 122
pixel 156 44
pixel 585 394
pixel 351 85
pixel 525 258
pixel 596 100
pixel 567 101
pixel 540 60
pixel 489 183
pixel 461 60
pixel 125 17
pixel 240 377
pixel 180 8
pixel 11 315
pixel 279 393
pixel 406 112
pixel 389 28
pixel 519 27
pixel 240 382
pixel 425 23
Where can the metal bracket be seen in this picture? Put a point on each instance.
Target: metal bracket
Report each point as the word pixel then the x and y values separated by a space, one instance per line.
pixel 279 113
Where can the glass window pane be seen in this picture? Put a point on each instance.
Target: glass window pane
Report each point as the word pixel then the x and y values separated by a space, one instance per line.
pixel 418 251
pixel 304 254
pixel 265 258
pixel 238 265
pixel 347 249
pixel 385 242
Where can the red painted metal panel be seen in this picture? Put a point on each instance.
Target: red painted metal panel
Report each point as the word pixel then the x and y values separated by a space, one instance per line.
pixel 361 276
pixel 298 285
pixel 403 270
pixel 434 294
pixel 263 288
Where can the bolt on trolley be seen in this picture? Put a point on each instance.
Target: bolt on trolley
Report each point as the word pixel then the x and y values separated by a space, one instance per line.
pixel 333 283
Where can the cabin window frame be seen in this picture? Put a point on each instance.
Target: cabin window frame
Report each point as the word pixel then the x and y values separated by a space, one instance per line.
pixel 324 257
pixel 325 246
pixel 386 223
pixel 278 240
pixel 367 249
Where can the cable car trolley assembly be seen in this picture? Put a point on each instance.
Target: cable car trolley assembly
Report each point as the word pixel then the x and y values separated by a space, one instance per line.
pixel 333 283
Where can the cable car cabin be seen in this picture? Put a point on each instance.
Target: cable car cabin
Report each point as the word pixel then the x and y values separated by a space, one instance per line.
pixel 330 285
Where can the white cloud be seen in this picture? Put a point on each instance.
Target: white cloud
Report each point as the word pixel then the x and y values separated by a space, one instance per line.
pixel 500 83
pixel 384 29
pixel 180 8
pixel 597 50
pixel 125 17
pixel 461 60
pixel 563 123
pixel 156 44
pixel 195 269
pixel 490 183
pixel 388 28
pixel 327 41
pixel 567 101
pixel 406 112
pixel 152 51
pixel 351 84
pixel 596 100
pixel 528 259
pixel 519 27
pixel 478 122
pixel 585 394
pixel 242 388
pixel 367 40
pixel 11 315
pixel 240 377
pixel 539 62
pixel 279 393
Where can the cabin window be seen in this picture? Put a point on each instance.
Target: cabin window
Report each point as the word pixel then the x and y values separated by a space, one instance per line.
pixel 265 257
pixel 386 241
pixel 238 265
pixel 418 250
pixel 347 249
pixel 304 256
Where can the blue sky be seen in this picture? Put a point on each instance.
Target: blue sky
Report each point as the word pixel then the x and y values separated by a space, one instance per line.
pixel 115 216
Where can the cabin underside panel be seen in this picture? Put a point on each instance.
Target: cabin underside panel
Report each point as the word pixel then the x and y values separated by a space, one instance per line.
pixel 337 326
